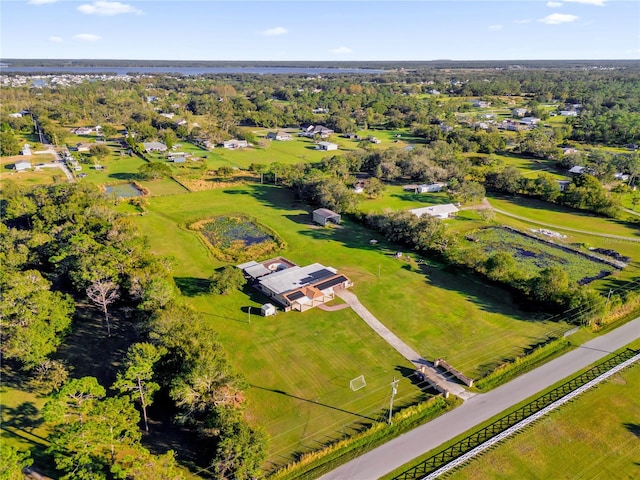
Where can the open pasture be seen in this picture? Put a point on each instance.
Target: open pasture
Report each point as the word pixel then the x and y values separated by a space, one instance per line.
pixel 595 436
pixel 299 364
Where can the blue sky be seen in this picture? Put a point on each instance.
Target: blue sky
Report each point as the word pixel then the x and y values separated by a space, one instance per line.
pixel 321 30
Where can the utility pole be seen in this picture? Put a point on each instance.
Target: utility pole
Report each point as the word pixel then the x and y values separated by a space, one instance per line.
pixel 394 390
pixel 608 297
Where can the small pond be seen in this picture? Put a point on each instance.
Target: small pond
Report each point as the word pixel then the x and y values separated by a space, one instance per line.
pixel 124 190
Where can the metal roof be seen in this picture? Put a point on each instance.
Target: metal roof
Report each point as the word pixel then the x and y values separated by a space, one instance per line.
pixel 296 277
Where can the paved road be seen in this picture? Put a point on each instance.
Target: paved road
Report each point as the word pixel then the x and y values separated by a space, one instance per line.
pixel 401 450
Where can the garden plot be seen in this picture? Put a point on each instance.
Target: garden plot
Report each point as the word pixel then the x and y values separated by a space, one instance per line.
pixel 534 255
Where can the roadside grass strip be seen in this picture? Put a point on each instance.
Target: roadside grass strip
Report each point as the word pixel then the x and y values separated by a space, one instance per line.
pixel 478 442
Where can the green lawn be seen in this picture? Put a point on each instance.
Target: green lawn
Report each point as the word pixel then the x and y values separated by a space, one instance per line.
pixel 540 211
pixel 32 177
pixel 529 167
pixel 22 425
pixel 299 365
pixel 595 436
pixel 396 198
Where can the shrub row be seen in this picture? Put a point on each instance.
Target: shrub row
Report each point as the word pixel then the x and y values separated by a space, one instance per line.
pixel 313 464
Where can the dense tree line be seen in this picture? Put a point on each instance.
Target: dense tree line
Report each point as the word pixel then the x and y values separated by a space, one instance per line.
pixel 65 243
pixel 610 109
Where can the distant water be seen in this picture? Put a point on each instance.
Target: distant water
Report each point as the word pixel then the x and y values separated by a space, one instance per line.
pixel 187 70
pixel 124 190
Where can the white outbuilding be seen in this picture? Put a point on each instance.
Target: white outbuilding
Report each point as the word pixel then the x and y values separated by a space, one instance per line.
pixel 267 310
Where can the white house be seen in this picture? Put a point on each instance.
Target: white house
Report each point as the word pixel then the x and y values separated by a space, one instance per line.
pixel 280 135
pixel 22 165
pixel 529 121
pixel 302 288
pixel 578 170
pixel 234 143
pixel 438 211
pixel 177 157
pixel 313 130
pixel 519 112
pixel 154 147
pixel 568 113
pixel 327 146
pixel 15 115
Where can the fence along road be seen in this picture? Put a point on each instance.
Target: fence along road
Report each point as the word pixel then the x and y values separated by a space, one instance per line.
pixel 479 408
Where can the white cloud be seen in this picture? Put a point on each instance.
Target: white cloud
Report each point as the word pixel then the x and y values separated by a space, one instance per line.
pixel 554 4
pixel 107 9
pixel 495 27
pixel 55 39
pixel 597 3
pixel 272 32
pixel 558 18
pixel 524 20
pixel 41 2
pixel 87 37
pixel 341 50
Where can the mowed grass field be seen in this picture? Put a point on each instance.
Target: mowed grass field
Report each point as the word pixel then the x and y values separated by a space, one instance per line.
pixel 593 437
pixel 32 177
pixel 299 365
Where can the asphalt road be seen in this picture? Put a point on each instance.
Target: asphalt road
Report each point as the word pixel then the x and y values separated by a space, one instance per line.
pixel 479 408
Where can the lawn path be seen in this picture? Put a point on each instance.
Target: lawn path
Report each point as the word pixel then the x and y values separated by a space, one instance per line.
pixel 402 348
pixel 486 204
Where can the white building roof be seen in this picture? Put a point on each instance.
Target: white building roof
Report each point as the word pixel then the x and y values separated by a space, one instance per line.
pixel 296 277
pixel 577 169
pixel 435 210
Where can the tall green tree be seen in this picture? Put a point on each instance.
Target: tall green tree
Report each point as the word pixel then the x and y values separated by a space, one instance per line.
pixel 137 378
pixel 33 318
pixel 89 430
pixel 12 461
pixel 226 280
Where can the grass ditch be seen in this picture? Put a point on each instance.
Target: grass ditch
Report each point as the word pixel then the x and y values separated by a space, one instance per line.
pixel 516 367
pixel 316 463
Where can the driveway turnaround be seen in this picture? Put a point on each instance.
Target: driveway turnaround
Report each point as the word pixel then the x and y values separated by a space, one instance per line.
pixel 479 408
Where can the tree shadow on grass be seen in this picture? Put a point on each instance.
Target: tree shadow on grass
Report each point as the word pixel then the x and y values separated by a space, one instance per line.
pixel 634 428
pixel 280 392
pixel 24 417
pixel 124 176
pixel 302 219
pixel 191 286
